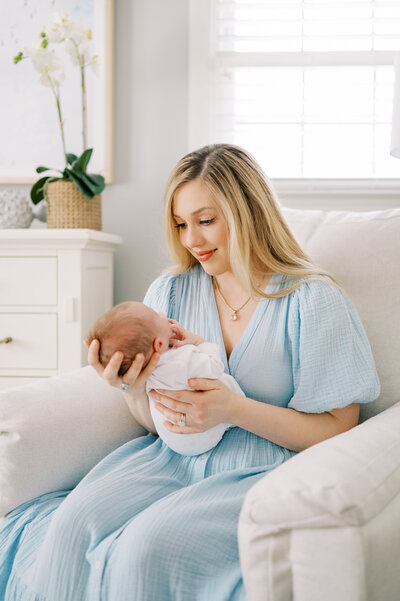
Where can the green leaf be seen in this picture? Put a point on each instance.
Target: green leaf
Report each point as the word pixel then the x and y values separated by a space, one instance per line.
pixel 83 161
pixel 94 182
pixel 98 179
pixel 88 183
pixel 41 169
pixel 37 190
pixel 81 185
pixel 71 158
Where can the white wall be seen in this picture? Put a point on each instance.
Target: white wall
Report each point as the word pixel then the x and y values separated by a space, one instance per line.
pixel 150 134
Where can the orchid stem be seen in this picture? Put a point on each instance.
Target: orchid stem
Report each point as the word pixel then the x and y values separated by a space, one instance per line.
pixel 84 113
pixel 57 97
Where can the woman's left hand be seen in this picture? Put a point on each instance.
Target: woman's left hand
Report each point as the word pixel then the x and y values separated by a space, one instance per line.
pixel 208 405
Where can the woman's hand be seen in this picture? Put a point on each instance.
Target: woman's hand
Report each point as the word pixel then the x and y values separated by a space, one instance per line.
pixel 211 403
pixel 134 378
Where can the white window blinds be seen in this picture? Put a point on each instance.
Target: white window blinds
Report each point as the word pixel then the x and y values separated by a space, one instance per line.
pixel 305 86
pixel 304 25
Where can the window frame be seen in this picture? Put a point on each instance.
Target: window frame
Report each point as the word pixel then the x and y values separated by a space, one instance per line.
pixel 203 63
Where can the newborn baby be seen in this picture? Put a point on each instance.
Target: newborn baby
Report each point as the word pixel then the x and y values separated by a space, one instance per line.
pixel 132 328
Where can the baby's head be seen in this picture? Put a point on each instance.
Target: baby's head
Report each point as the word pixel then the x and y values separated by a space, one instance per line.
pixel 131 328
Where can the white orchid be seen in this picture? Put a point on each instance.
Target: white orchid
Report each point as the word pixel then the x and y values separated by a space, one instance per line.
pixel 61 28
pixel 55 30
pixel 47 63
pixel 75 38
pixel 80 54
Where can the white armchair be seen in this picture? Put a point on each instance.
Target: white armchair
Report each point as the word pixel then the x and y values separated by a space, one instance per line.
pixel 325 524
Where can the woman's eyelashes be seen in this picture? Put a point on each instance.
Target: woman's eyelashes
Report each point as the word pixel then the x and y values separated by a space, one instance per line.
pixel 202 222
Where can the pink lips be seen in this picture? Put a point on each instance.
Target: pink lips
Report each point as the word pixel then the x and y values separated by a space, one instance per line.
pixel 205 255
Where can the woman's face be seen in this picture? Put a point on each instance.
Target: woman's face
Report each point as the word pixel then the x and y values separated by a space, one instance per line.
pixel 202 227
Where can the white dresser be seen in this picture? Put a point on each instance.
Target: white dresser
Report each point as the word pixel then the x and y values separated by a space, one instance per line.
pixel 54 283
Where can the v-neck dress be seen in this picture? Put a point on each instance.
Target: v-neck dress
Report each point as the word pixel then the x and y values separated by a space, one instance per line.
pixel 148 524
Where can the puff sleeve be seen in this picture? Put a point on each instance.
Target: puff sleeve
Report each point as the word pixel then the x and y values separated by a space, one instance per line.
pixel 160 295
pixel 332 362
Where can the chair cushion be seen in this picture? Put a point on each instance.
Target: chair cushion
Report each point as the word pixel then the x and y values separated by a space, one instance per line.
pixel 55 430
pixel 362 250
pixel 324 525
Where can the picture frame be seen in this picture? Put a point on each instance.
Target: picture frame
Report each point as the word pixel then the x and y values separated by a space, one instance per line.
pixel 29 121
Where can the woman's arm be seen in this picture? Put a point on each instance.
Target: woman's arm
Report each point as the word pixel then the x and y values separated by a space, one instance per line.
pixel 290 428
pixel 138 405
pixel 136 397
pixel 215 403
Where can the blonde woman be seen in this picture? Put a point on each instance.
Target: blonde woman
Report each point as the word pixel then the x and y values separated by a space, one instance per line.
pixel 148 524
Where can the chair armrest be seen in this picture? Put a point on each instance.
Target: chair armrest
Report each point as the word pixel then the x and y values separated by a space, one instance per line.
pixel 305 529
pixel 55 430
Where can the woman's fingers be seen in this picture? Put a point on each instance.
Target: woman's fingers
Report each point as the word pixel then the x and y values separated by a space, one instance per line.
pixel 203 383
pixel 133 372
pixel 179 406
pixel 148 370
pixel 111 370
pixel 173 416
pixel 93 356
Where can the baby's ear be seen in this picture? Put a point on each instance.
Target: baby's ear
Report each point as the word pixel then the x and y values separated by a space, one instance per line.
pixel 86 342
pixel 158 345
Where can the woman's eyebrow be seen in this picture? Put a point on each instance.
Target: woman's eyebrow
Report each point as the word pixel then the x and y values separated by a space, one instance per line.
pixel 194 212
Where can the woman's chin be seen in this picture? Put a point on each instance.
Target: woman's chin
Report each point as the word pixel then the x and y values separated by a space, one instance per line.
pixel 214 270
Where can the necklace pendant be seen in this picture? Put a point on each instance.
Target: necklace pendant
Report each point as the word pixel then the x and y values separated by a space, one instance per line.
pixel 234 316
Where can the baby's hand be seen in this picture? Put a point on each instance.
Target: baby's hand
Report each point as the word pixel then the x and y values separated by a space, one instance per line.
pixel 182 336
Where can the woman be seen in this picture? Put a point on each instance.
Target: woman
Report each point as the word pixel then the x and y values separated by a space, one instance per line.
pixel 147 524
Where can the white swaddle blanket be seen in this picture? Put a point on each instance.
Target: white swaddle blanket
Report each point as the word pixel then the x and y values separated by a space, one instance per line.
pixel 175 367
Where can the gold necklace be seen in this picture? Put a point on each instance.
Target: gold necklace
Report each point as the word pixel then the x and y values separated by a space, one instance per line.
pixel 235 312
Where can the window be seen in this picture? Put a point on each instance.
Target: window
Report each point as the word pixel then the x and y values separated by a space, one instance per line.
pixel 305 86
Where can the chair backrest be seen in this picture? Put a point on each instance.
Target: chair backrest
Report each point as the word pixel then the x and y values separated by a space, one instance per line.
pixel 362 250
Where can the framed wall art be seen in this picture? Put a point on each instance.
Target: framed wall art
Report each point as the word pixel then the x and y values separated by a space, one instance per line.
pixel 29 119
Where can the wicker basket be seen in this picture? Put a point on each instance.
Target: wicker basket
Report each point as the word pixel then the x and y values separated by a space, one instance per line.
pixel 69 208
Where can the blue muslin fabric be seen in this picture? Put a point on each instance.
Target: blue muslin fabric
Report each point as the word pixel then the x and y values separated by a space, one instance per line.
pixel 148 524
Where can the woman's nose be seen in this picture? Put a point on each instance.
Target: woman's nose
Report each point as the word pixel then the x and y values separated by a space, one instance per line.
pixel 193 237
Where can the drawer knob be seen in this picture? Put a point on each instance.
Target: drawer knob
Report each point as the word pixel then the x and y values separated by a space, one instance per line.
pixel 6 340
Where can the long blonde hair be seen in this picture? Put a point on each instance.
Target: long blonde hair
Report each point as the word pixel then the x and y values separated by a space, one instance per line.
pixel 260 241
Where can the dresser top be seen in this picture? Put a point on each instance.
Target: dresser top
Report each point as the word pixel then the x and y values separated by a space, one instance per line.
pixel 51 238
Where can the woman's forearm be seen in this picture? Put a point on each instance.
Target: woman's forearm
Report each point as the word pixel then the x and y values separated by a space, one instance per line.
pixel 140 409
pixel 290 428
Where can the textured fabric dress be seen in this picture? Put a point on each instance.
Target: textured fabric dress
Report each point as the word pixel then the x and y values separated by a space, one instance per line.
pixel 148 524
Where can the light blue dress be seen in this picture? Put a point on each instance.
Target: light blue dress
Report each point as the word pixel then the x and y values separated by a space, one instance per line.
pixel 147 524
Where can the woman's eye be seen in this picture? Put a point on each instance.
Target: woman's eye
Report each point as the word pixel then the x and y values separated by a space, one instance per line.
pixel 202 222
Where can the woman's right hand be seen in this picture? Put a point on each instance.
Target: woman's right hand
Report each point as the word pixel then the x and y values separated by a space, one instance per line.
pixel 135 378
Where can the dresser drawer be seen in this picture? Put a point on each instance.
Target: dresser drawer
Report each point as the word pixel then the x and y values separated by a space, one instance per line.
pixel 34 341
pixel 28 281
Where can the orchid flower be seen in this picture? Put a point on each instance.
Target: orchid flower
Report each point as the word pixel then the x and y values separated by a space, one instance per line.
pixel 75 39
